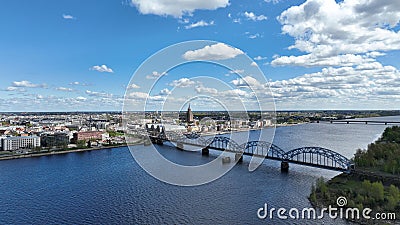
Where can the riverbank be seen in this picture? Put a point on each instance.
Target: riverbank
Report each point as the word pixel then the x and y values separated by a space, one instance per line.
pixel 373 184
pixel 250 129
pixel 59 152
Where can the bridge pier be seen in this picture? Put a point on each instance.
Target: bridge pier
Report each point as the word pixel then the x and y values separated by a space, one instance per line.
pixel 226 160
pixel 147 142
pixel 205 151
pixel 157 141
pixel 239 157
pixel 285 166
pixel 179 146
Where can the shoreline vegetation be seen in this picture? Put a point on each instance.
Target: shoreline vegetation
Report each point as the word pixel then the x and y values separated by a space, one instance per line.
pixel 373 184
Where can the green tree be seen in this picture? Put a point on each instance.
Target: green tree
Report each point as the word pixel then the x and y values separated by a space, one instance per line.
pixel 377 191
pixel 313 196
pixel 81 144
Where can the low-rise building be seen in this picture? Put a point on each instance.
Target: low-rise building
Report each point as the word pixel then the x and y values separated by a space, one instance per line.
pixel 86 136
pixel 16 143
pixel 1 142
pixel 49 140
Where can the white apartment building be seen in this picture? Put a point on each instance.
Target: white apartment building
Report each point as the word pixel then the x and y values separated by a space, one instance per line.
pixel 15 143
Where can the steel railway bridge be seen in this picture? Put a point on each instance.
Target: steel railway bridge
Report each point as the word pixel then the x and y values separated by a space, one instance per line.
pixel 309 156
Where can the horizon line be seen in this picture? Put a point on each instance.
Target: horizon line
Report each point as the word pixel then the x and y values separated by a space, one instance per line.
pixel 283 110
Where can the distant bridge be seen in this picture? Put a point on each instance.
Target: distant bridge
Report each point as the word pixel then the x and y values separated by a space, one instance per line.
pixel 309 156
pixel 364 122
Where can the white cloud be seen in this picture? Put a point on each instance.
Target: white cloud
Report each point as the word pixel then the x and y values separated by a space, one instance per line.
pixel 68 17
pixel 77 83
pixel 98 94
pixel 183 83
pixel 80 98
pixel 254 36
pixel 40 102
pixel 165 91
pixel 11 89
pixel 64 89
pixel 200 89
pixel 258 58
pixel 236 71
pixel 375 54
pixel 155 75
pixel 273 1
pixel 246 81
pixel 27 84
pixel 236 94
pixel 184 21
pixel 254 17
pixel 14 89
pixel 313 60
pixel 176 8
pixel 218 51
pixel 254 64
pixel 200 23
pixel 237 20
pixel 325 28
pixel 140 96
pixel 351 84
pixel 133 86
pixel 102 68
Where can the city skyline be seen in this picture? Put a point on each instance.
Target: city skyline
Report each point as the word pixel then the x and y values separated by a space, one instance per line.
pixel 80 56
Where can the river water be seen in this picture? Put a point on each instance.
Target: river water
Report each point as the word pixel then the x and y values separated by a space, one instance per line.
pixel 109 187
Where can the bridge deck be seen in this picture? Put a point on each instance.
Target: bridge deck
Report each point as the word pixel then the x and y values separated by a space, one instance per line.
pixel 364 121
pixel 299 162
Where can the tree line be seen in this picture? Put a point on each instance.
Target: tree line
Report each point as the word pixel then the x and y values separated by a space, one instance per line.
pixel 383 155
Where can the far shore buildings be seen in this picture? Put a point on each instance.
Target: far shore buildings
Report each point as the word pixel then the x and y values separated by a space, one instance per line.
pixel 22 142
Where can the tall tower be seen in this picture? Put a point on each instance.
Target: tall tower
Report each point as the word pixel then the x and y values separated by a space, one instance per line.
pixel 189 115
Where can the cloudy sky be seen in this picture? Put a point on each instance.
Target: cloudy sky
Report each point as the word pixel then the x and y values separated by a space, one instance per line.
pixel 316 54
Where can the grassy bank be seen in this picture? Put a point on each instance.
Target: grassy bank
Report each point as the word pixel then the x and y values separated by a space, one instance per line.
pixel 374 184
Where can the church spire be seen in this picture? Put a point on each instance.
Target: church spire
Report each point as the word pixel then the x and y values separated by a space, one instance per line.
pixel 189 115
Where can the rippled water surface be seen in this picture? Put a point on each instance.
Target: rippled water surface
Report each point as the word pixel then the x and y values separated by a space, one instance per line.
pixel 108 186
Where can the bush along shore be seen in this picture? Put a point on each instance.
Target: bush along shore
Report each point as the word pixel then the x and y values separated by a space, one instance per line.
pixel 374 184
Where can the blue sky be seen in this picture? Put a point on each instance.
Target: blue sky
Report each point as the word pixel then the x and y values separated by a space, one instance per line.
pixel 317 54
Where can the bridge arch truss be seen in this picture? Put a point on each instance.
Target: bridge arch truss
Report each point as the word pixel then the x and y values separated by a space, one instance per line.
pixel 263 148
pixel 223 143
pixel 318 157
